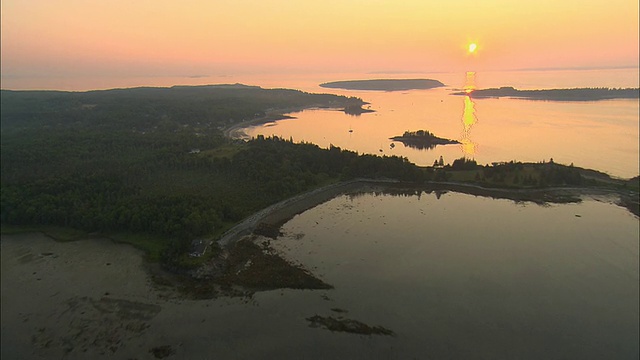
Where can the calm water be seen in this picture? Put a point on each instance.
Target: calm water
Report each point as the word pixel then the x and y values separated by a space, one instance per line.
pixel 471 277
pixel 602 135
pixel 458 277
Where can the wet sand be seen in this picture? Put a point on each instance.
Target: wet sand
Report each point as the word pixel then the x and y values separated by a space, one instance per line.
pixel 80 299
pixel 93 299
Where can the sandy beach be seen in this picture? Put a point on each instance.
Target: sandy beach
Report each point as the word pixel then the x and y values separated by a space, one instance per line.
pixel 236 131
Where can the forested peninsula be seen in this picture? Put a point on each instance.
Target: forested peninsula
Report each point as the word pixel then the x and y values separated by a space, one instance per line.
pixel 384 84
pixel 151 167
pixel 575 94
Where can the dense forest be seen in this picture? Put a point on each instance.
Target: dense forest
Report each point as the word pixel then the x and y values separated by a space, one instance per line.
pixel 154 161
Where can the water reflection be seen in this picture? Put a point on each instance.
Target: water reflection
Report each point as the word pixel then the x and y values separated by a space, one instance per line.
pixel 469 117
pixel 419 146
pixel 470 83
pixel 406 263
pixel 614 123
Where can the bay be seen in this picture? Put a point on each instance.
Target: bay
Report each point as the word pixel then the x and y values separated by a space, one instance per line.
pixel 453 275
pixel 459 276
pixel 601 135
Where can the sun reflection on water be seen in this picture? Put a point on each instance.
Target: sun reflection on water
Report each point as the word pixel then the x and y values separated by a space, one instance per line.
pixel 469 117
pixel 470 83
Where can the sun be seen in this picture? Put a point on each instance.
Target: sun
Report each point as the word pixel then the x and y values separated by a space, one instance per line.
pixel 472 48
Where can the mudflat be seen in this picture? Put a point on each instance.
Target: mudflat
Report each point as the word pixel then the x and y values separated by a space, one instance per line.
pixel 93 299
pixel 79 299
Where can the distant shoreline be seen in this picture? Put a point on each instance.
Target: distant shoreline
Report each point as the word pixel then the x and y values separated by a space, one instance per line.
pixel 235 131
pixel 574 94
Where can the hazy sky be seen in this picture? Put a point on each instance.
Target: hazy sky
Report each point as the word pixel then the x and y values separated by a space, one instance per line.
pixel 192 37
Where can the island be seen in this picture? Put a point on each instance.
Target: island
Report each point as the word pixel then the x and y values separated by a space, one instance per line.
pixel 422 139
pixel 356 109
pixel 574 94
pixel 384 84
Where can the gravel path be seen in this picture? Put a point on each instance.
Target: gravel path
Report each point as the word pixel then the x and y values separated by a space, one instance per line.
pixel 288 208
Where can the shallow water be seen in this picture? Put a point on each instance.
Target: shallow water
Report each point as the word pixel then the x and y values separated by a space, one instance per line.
pixel 472 277
pixel 457 277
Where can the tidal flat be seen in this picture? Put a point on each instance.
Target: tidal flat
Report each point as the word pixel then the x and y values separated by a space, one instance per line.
pixel 94 298
pixel 550 280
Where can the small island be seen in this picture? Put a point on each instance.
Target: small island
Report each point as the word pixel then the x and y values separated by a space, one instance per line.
pixel 356 109
pixel 422 139
pixel 575 94
pixel 384 84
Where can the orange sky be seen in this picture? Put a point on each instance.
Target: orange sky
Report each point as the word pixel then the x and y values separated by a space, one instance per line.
pixel 192 37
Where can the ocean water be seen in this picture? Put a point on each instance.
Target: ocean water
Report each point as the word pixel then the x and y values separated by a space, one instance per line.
pixel 601 135
pixel 529 79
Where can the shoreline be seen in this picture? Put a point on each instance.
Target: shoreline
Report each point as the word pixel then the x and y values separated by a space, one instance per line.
pixel 277 214
pixel 566 94
pixel 235 131
pixel 96 299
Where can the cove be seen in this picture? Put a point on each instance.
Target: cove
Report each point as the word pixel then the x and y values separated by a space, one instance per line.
pixel 461 276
